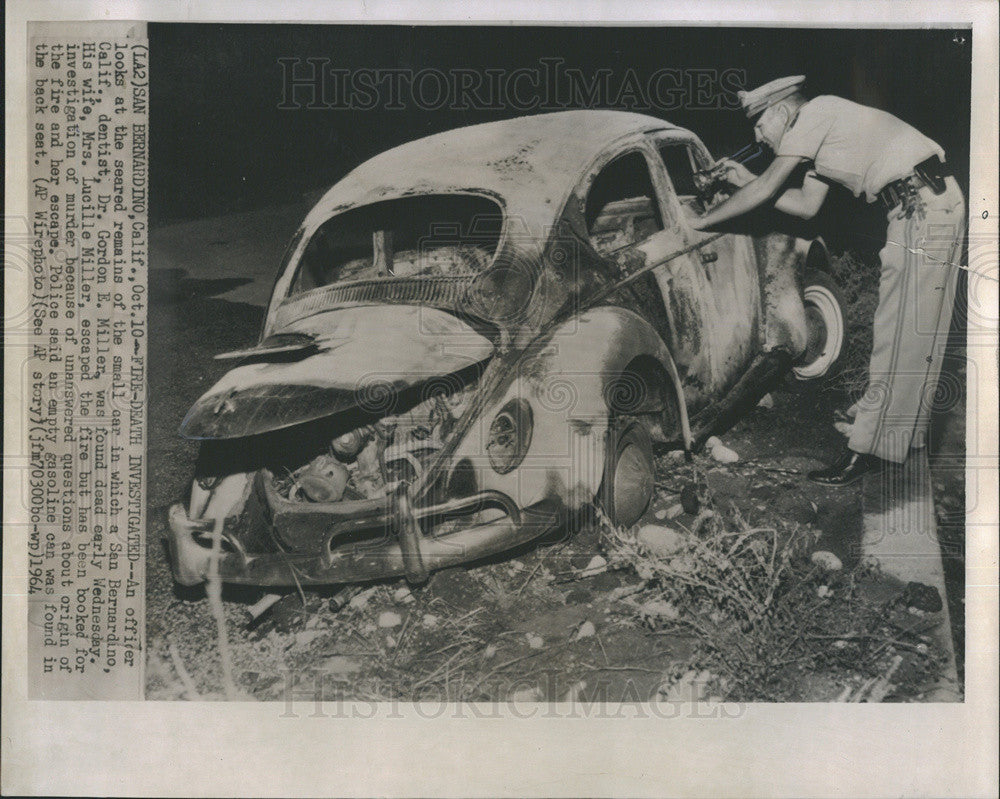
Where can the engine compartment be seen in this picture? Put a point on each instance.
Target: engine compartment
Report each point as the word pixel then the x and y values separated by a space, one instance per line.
pixel 370 460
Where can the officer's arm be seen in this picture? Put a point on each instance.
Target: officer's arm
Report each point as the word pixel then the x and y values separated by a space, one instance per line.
pixel 753 195
pixel 804 202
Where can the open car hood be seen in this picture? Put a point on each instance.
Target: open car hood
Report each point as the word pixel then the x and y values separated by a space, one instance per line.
pixel 330 362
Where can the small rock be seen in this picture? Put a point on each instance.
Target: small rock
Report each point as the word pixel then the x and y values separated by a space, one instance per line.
pixel 823 591
pixel 402 596
pixel 525 695
pixel 340 664
pixel 586 630
pixel 390 642
pixel 766 402
pixel 675 456
pixel 306 637
pixel 490 652
pixel 661 514
pixel 840 644
pixel 675 510
pixel 922 597
pixel 713 442
pixel 689 500
pixel 596 565
pixel 826 560
pixel 657 609
pixel 722 454
pixel 660 541
pixel 388 619
pixel 534 641
pixel 430 621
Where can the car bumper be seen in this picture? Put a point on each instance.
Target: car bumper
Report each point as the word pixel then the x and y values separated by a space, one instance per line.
pixel 401 548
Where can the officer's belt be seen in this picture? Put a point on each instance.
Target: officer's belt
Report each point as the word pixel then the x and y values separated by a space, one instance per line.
pixel 930 173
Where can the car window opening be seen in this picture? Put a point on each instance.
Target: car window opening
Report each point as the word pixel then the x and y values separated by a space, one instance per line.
pixel 680 168
pixel 621 206
pixel 427 235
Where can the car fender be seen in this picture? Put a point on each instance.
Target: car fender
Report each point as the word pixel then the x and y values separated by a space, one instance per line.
pixel 813 253
pixel 782 259
pixel 603 363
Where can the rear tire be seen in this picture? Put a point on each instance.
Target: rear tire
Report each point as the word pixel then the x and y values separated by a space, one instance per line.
pixel 627 487
pixel 827 321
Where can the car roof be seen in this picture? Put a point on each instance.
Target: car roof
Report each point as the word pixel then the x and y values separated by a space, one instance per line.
pixel 529 162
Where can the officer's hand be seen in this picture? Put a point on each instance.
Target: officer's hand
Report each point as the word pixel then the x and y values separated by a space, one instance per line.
pixel 697 222
pixel 733 172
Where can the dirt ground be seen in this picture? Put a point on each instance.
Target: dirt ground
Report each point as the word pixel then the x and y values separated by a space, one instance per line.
pixel 582 616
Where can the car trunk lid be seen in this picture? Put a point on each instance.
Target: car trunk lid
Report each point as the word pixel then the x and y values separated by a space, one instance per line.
pixel 361 357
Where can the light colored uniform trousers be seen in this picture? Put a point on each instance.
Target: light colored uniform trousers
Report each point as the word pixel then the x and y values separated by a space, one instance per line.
pixel 915 300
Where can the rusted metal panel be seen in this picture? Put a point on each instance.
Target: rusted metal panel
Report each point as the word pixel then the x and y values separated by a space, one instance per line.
pixel 570 376
pixel 528 162
pixel 366 357
pixel 779 258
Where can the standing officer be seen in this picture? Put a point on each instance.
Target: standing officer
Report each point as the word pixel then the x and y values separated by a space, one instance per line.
pixel 870 152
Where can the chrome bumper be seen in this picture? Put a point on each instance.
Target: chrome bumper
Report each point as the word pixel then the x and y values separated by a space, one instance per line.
pixel 403 550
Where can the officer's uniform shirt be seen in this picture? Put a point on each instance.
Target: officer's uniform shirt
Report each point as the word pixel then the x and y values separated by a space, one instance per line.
pixel 859 147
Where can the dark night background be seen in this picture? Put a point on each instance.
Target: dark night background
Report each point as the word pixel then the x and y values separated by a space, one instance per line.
pixel 220 143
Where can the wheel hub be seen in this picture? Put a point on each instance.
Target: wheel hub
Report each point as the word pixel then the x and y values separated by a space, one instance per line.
pixel 633 485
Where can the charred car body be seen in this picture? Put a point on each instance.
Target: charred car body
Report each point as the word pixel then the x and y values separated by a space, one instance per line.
pixel 475 335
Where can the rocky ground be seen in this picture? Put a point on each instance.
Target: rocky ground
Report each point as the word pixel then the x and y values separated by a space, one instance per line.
pixel 713 594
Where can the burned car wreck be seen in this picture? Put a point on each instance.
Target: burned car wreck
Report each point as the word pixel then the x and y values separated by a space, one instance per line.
pixel 474 336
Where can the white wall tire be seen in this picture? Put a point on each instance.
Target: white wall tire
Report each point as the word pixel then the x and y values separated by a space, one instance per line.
pixel 827 323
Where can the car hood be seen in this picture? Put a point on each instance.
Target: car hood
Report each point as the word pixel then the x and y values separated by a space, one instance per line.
pixel 360 357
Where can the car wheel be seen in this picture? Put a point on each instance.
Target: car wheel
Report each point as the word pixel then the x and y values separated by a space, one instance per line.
pixel 827 325
pixel 627 487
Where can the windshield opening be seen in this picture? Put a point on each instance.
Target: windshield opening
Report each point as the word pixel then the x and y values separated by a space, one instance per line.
pixel 436 234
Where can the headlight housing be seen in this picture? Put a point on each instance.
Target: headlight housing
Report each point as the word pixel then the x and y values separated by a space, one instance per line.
pixel 510 436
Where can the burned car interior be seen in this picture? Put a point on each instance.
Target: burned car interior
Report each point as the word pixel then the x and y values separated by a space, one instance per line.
pixel 622 209
pixel 408 237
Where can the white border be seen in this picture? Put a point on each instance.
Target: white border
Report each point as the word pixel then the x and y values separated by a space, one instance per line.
pixel 773 750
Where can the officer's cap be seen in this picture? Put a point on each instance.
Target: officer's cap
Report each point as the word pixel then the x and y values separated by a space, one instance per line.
pixel 761 98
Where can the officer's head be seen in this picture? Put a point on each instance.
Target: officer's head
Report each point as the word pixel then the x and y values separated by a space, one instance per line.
pixel 775 120
pixel 774 105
